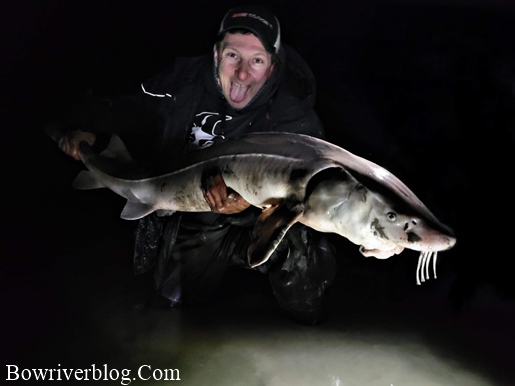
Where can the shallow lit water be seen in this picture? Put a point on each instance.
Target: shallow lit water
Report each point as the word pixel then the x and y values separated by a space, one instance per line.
pixel 97 315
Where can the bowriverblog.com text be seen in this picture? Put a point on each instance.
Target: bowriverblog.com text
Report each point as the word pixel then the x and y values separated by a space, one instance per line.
pixel 93 373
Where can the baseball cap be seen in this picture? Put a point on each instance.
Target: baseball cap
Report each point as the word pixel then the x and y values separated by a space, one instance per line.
pixel 256 19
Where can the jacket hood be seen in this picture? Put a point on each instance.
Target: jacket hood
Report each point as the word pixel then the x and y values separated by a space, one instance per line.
pixel 291 72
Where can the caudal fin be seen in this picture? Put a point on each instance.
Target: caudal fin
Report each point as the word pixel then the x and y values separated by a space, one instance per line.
pixel 85 181
pixel 116 149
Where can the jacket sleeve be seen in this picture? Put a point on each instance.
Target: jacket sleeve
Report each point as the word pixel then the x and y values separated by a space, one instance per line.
pixel 109 114
pixel 124 113
pixel 136 117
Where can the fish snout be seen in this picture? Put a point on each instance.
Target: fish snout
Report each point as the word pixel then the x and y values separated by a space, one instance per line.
pixel 450 241
pixel 423 236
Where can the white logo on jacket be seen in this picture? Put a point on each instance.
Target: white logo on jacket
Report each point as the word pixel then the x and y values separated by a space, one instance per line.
pixel 206 127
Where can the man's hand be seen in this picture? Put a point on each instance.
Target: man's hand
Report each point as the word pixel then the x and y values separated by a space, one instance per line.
pixel 69 142
pixel 215 193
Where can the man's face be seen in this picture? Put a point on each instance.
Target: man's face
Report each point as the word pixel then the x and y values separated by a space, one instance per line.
pixel 243 67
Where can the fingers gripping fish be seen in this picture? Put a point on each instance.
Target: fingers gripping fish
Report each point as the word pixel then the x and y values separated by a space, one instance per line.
pixel 292 178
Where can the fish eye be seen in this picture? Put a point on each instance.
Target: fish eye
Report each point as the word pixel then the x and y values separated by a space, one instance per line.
pixel 391 216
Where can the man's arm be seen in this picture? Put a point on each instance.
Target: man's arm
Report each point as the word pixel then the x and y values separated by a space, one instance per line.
pixel 95 118
pixel 220 198
pixel 70 140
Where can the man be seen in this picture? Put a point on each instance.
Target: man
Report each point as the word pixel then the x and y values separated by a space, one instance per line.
pixel 251 82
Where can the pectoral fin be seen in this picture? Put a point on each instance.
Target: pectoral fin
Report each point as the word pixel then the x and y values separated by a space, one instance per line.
pixel 134 210
pixel 270 228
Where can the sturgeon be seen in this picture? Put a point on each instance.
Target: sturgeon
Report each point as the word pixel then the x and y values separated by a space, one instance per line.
pixel 292 178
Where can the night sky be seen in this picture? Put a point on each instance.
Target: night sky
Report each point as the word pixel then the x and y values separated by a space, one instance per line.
pixel 424 88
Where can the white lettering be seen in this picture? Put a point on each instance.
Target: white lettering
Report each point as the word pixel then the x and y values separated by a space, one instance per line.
pixel 40 374
pixel 172 377
pixel 111 374
pixel 145 372
pixel 157 373
pixel 125 377
pixel 9 372
pixel 97 373
pixel 139 372
pixel 25 374
pixel 105 372
pixel 68 373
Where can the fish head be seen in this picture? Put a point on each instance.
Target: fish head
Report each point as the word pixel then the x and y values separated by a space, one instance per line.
pixel 393 227
pixel 381 219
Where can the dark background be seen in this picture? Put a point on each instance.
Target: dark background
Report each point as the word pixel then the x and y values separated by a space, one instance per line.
pixel 424 88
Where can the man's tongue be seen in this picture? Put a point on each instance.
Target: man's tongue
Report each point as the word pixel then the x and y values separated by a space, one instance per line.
pixel 238 93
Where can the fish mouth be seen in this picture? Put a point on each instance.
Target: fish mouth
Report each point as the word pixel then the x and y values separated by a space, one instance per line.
pixel 433 244
pixel 381 253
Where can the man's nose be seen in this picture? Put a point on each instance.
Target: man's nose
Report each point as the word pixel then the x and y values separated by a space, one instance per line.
pixel 243 71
